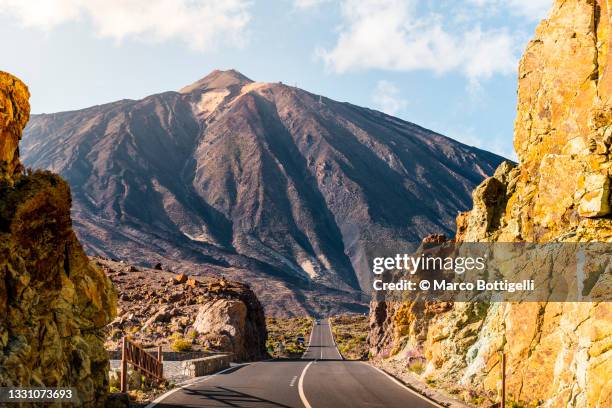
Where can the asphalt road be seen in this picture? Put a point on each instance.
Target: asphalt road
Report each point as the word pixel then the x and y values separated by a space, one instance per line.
pixel 320 380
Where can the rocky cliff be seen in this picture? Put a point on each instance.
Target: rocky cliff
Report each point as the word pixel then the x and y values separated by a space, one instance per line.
pixel 258 182
pixel 559 354
pixel 562 136
pixel 53 304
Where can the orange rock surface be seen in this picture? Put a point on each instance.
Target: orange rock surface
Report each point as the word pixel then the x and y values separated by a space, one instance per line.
pixel 559 354
pixel 53 304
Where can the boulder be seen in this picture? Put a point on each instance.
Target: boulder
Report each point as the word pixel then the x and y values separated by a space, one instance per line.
pixel 232 326
pixel 225 318
pixel 180 278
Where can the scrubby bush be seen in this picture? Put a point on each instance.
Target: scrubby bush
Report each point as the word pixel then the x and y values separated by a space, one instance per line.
pixel 181 345
pixel 350 333
pixel 416 367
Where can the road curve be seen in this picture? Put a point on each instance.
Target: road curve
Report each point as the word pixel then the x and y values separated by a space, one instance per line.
pixel 320 380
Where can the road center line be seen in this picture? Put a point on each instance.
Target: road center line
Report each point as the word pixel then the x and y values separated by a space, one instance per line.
pixel 292 383
pixel 301 387
pixel 321 342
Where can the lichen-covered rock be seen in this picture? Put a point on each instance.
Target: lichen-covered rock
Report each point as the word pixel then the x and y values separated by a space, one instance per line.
pixel 490 199
pixel 563 133
pixel 559 354
pixel 564 125
pixel 53 304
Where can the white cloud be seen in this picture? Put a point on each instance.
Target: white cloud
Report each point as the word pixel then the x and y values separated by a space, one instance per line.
pixel 201 24
pixel 531 9
pixel 386 98
pixel 534 9
pixel 391 35
pixel 308 4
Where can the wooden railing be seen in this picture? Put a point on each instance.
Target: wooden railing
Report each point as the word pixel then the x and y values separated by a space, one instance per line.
pixel 149 365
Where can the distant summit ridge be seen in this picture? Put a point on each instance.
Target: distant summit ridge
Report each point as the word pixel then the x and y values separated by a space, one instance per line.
pixel 217 79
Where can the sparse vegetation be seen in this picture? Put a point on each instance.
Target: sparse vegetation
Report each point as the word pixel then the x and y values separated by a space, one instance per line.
pixel 351 333
pixel 141 397
pixel 283 334
pixel 478 400
pixel 181 345
pixel 416 367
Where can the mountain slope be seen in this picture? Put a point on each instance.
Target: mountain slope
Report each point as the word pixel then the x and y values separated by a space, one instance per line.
pixel 258 180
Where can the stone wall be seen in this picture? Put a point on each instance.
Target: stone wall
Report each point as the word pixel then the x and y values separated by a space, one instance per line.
pixel 206 365
pixel 53 304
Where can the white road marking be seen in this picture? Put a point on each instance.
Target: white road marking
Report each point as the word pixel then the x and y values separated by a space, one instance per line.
pixel 321 342
pixel 188 383
pixel 301 387
pixel 401 384
pixel 309 341
pixel 292 383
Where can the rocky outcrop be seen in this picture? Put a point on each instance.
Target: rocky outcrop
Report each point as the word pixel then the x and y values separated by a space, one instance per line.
pixel 559 354
pixel 157 308
pixel 53 304
pixel 563 135
pixel 14 114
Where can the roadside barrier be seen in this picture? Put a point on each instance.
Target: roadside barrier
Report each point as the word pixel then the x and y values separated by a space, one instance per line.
pixel 149 365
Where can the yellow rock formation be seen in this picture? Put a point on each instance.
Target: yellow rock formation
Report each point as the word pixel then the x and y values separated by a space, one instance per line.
pixel 53 304
pixel 559 354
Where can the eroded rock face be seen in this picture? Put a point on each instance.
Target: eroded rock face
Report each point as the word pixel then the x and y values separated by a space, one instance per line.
pixel 53 304
pixel 559 354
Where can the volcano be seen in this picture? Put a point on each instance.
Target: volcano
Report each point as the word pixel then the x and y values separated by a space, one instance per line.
pixel 261 182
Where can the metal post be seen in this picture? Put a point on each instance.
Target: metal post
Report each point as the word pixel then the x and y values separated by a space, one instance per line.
pixel 159 359
pixel 503 373
pixel 124 384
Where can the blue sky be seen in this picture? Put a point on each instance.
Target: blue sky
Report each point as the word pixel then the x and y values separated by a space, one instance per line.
pixel 446 65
